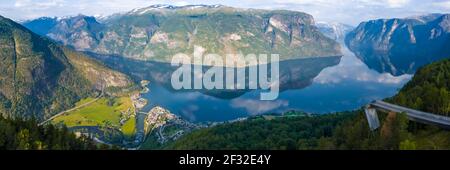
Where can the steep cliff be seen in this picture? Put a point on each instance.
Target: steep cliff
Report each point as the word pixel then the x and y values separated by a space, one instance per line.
pixel 400 46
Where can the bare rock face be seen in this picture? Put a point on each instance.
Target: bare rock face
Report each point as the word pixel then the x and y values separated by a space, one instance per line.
pixel 158 32
pixel 401 46
pixel 79 31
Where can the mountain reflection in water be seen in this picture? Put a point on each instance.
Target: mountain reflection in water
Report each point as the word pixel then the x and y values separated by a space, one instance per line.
pixel 318 85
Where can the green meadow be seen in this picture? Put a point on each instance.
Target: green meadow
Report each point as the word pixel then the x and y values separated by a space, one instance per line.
pixel 105 112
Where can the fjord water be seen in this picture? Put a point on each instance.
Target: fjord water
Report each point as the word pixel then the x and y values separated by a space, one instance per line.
pixel 319 85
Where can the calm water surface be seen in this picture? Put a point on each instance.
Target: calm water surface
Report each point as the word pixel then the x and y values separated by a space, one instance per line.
pixel 314 85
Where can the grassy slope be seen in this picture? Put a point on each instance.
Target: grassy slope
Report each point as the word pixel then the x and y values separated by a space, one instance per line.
pixel 129 128
pixel 100 113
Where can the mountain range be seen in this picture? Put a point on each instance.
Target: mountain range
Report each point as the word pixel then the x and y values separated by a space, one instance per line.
pixel 49 64
pixel 401 46
pixel 160 31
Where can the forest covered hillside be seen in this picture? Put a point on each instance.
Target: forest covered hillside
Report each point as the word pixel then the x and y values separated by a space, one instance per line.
pixel 39 78
pixel 19 134
pixel 429 90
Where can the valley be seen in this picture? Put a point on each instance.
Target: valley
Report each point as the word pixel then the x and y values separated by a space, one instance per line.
pixel 120 121
pixel 106 82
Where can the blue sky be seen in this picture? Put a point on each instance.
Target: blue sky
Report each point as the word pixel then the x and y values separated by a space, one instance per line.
pixel 345 11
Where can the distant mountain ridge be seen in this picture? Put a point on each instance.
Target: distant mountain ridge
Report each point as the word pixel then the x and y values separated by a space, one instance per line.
pixel 334 30
pixel 400 46
pixel 160 31
pixel 43 25
pixel 39 77
pixel 170 7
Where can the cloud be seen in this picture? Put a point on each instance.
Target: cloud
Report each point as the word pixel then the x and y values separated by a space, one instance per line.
pixel 43 4
pixel 21 3
pixel 352 69
pixel 382 3
pixel 255 107
pixel 345 11
pixel 397 3
pixel 442 4
pixel 354 11
pixel 189 111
